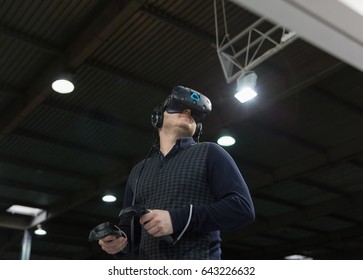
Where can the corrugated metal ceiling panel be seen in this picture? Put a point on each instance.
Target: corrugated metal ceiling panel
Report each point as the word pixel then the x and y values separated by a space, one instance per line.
pixel 19 63
pixel 56 156
pixel 85 131
pixel 292 233
pixel 300 194
pixel 253 137
pixel 346 177
pixel 48 21
pixel 101 91
pixel 268 208
pixel 326 224
pixel 38 177
pixel 28 197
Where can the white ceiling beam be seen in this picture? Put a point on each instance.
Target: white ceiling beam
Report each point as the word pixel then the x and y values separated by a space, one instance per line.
pixel 326 24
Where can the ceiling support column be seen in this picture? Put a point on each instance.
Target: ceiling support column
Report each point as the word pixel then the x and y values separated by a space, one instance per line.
pixel 26 245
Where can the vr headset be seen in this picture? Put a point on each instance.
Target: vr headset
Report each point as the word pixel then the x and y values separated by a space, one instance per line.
pixel 183 98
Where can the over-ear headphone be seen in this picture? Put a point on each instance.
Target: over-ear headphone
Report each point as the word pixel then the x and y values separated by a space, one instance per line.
pixel 157 117
pixel 198 131
pixel 158 114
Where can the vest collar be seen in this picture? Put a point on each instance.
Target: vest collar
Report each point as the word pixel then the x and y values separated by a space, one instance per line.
pixel 180 144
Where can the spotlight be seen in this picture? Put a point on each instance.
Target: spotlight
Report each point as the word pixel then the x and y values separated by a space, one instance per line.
pixel 40 230
pixel 245 87
pixel 63 84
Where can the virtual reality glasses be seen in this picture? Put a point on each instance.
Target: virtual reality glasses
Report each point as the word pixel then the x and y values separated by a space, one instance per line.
pixel 183 98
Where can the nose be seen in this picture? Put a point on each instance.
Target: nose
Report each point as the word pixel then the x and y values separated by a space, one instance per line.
pixel 187 111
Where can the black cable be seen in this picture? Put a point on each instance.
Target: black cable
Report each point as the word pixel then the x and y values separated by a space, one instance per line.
pixel 132 229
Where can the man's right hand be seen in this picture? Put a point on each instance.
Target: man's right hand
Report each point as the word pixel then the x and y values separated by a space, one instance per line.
pixel 113 245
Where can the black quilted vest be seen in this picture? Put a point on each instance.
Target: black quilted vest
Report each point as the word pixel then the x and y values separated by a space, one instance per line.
pixel 177 180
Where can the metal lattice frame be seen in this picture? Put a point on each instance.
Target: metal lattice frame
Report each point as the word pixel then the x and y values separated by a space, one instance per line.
pixel 231 57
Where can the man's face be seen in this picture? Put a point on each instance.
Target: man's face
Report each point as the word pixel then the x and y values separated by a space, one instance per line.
pixel 182 123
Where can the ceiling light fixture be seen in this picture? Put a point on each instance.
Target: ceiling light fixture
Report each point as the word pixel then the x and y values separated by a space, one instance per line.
pixel 40 230
pixel 225 137
pixel 226 141
pixel 246 87
pixel 24 210
pixel 298 257
pixel 63 84
pixel 109 198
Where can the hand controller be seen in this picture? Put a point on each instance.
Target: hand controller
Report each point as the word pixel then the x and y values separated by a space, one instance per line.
pixel 137 210
pixel 102 230
pixel 131 211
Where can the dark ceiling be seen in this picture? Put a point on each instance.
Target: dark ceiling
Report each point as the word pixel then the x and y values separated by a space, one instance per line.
pixel 299 143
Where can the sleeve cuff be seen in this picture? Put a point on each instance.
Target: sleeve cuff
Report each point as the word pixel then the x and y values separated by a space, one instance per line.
pixel 179 218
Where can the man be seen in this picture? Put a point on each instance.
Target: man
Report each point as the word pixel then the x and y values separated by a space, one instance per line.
pixel 192 190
